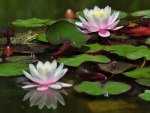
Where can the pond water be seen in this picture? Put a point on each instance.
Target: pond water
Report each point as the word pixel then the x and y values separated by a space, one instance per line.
pixel 13 99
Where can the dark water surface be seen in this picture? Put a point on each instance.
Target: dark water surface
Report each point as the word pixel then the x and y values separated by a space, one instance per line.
pixel 13 100
pixel 21 9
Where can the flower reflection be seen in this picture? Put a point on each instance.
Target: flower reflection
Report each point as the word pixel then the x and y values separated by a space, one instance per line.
pixel 48 98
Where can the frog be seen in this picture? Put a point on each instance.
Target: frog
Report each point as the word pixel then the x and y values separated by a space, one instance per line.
pixel 22 38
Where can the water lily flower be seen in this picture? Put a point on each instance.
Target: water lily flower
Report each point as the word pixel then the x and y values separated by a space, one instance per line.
pixel 48 98
pixel 45 76
pixel 99 20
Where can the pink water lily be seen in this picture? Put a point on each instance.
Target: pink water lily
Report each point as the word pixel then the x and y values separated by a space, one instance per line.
pixel 45 76
pixel 99 20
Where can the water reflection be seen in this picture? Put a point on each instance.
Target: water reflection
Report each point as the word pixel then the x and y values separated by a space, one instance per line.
pixel 48 98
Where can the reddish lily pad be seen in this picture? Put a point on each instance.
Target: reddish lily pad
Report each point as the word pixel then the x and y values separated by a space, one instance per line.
pixel 139 31
pixel 115 67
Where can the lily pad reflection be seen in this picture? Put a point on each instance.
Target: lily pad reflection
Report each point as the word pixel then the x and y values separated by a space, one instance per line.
pixel 48 98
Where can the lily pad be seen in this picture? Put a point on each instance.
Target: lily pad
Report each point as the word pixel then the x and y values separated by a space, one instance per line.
pixel 148 41
pixel 91 88
pixel 94 47
pixel 130 51
pixel 138 73
pixel 33 22
pixel 116 88
pixel 62 31
pixel 19 59
pixel 147 16
pixel 145 96
pixel 115 67
pixel 96 88
pixel 141 13
pixel 144 81
pixel 42 37
pixel 123 50
pixel 12 69
pixel 78 59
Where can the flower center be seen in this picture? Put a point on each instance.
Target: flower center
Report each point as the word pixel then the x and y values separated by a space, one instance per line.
pixel 102 13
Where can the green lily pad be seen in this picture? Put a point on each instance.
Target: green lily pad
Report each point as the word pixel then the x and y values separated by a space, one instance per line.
pixel 42 37
pixel 141 13
pixel 144 81
pixel 33 22
pixel 145 96
pixel 147 16
pixel 62 31
pixel 91 88
pixel 96 88
pixel 78 59
pixel 12 69
pixel 94 47
pixel 116 88
pixel 130 51
pixel 138 73
pixel 115 67
pixel 148 41
pixel 19 59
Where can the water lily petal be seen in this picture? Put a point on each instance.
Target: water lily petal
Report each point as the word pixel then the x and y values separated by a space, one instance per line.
pixel 86 31
pixel 39 64
pixel 29 86
pixel 84 21
pixel 55 86
pixel 81 25
pixel 59 74
pixel 65 84
pixel 113 18
pixel 104 33
pixel 113 25
pixel 42 88
pixel 108 10
pixel 116 28
pixel 34 72
pixel 54 64
pixel 30 77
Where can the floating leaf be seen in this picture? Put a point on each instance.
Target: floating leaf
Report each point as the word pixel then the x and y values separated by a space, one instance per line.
pixel 91 88
pixel 33 22
pixel 139 73
pixel 94 47
pixel 141 13
pixel 148 41
pixel 42 37
pixel 123 50
pixel 115 67
pixel 130 51
pixel 144 81
pixel 147 16
pixel 62 31
pixel 145 53
pixel 116 88
pixel 77 60
pixel 19 59
pixel 145 96
pixel 96 88
pixel 12 69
